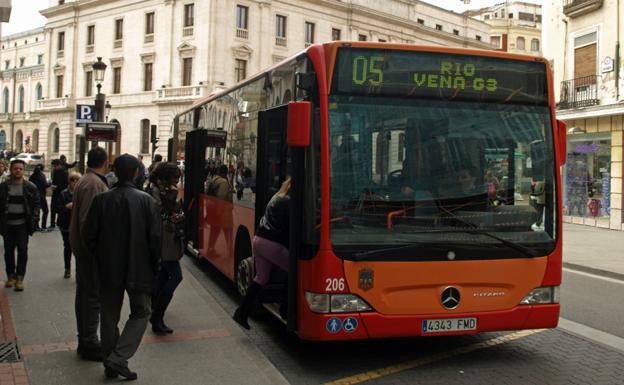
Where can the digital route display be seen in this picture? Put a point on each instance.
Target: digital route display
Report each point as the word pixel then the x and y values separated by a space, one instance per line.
pixel 363 71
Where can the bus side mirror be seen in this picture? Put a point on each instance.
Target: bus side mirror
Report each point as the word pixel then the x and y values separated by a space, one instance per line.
pixel 562 131
pixel 299 114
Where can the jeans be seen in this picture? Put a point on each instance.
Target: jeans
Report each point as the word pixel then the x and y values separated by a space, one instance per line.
pixel 67 252
pixel 169 278
pixel 44 212
pixel 16 236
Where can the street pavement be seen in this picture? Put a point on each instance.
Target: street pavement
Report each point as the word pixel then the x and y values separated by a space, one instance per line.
pixel 209 348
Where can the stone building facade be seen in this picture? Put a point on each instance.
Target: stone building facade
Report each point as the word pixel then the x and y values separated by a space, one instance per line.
pixel 161 55
pixel 582 41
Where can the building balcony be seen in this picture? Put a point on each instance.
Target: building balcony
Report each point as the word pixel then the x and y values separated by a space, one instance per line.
pixel 187 31
pixel 280 41
pixel 242 33
pixel 179 94
pixel 573 8
pixel 53 104
pixel 579 93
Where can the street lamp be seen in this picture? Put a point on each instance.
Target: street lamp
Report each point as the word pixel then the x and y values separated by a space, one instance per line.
pixel 99 68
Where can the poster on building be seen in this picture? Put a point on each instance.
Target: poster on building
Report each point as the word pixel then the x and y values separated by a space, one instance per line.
pixel 576 184
pixel 606 193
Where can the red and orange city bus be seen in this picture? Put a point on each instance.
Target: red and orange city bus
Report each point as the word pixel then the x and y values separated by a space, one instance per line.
pixel 426 194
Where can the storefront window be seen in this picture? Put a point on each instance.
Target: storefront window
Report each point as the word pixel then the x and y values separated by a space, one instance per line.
pixel 587 176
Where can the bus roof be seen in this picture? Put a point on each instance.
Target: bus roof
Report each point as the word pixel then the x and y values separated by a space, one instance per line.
pixel 331 50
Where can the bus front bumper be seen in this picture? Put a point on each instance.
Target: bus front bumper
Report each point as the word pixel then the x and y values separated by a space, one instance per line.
pixel 326 327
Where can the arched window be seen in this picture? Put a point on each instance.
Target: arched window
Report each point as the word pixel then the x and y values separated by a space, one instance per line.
pixel 56 140
pixel 20 95
pixel 19 141
pixel 5 100
pixel 39 91
pixel 520 43
pixel 2 140
pixel 145 136
pixel 535 45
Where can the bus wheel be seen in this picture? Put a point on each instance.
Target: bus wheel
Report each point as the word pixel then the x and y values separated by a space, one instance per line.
pixel 244 275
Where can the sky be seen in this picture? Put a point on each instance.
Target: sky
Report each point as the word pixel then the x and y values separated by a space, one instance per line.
pixel 25 13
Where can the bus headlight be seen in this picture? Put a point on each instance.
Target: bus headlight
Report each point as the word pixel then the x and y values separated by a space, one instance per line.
pixel 335 303
pixel 542 295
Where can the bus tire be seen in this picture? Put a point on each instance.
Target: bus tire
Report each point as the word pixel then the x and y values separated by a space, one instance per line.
pixel 244 266
pixel 244 275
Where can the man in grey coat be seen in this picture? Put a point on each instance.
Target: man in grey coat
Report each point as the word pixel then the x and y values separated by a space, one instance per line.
pixel 124 236
pixel 87 293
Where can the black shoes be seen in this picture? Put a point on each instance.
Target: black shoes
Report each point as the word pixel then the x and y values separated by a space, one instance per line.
pixel 159 327
pixel 112 370
pixel 241 318
pixel 90 353
pixel 67 273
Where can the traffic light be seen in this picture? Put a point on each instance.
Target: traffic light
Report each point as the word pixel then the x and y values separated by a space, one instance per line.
pixel 153 138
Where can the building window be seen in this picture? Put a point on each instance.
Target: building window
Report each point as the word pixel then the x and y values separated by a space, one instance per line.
pixel 242 14
pixel 39 91
pixel 526 16
pixel 59 86
pixel 439 27
pixel 7 64
pixel 147 76
pixel 187 71
pixel 117 80
pixel 362 37
pixel 335 34
pixel 119 29
pixel 61 41
pixel 401 154
pixel 145 136
pixel 496 41
pixel 88 83
pixel 280 26
pixel 486 17
pixel 22 60
pixel 39 59
pixel 535 46
pixel 421 21
pixel 189 15
pixel 5 100
pixel 309 33
pixel 511 15
pixel 456 32
pixel 149 23
pixel 56 140
pixel 90 35
pixel 520 43
pixel 478 37
pixel 381 40
pixel 585 55
pixel 240 69
pixel 20 99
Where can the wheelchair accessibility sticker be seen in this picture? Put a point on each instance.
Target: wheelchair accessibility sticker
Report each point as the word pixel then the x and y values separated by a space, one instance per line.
pixel 349 325
pixel 333 325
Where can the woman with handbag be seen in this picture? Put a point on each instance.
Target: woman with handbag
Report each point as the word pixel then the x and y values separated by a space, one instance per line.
pixel 163 187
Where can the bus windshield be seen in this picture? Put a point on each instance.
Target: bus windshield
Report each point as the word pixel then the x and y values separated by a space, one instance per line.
pixel 470 177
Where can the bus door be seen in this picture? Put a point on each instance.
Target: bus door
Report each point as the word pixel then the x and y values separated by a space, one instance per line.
pixel 194 176
pixel 274 166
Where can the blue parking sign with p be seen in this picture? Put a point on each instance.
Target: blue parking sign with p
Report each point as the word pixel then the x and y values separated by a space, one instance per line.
pixel 85 113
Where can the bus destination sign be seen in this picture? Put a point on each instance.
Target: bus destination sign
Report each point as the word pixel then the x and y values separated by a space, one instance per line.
pixel 439 76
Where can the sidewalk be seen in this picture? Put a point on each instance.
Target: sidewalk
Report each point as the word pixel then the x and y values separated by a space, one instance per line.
pixel 207 346
pixel 594 250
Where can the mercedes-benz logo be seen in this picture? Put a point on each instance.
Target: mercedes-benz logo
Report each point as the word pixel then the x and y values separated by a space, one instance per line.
pixel 450 298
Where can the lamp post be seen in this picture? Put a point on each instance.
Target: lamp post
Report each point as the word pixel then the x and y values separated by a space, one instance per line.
pixel 99 68
pixel 107 109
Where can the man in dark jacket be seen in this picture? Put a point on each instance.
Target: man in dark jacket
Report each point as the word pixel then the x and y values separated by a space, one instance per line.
pixel 19 213
pixel 124 236
pixel 59 183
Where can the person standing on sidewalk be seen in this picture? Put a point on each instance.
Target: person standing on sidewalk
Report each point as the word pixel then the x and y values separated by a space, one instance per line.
pixel 87 292
pixel 59 183
pixel 19 213
pixel 124 236
pixel 164 189
pixel 64 210
pixel 39 179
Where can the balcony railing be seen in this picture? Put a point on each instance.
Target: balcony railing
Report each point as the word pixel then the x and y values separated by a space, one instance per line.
pixel 179 93
pixel 280 41
pixel 574 8
pixel 90 48
pixel 187 31
pixel 149 38
pixel 118 44
pixel 578 93
pixel 242 33
pixel 52 104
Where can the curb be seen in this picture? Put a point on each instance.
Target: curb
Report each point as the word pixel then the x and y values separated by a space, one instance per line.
pixel 7 329
pixel 593 270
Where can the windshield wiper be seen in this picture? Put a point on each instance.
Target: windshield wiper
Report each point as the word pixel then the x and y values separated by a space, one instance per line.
pixel 364 255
